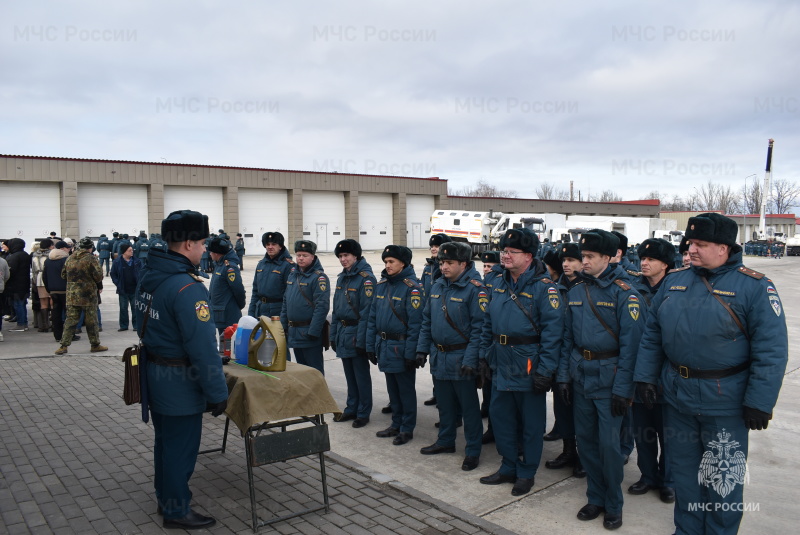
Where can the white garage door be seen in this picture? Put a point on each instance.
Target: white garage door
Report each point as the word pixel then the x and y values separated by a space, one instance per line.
pixel 207 201
pixel 107 208
pixel 323 218
pixel 418 219
pixel 260 211
pixel 29 211
pixel 375 221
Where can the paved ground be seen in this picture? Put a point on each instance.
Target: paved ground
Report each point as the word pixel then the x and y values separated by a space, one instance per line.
pixel 75 459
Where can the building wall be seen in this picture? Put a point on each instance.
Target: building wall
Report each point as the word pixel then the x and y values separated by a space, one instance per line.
pixel 485 204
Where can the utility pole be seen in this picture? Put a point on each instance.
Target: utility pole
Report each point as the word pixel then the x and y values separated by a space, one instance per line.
pixel 762 227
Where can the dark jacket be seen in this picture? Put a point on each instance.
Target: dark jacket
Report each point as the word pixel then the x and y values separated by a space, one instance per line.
pixel 19 264
pixel 118 273
pixel 307 299
pixel 269 284
pixel 84 277
pixel 227 291
pixel 357 284
pixel 51 276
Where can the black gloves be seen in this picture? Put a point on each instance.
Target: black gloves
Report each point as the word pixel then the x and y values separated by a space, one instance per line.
pixel 484 370
pixel 360 351
pixel 372 358
pixel 565 393
pixel 541 383
pixel 619 405
pixel 421 359
pixel 467 371
pixel 648 394
pixel 217 408
pixel 754 419
pixel 410 364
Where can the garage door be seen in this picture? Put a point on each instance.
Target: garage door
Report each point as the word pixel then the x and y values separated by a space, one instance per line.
pixel 262 211
pixel 29 211
pixel 107 208
pixel 375 221
pixel 323 218
pixel 207 201
pixel 418 220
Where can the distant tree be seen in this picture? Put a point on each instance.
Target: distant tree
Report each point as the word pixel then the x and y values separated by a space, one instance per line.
pixel 712 196
pixel 607 195
pixel 549 191
pixel 483 189
pixel 784 195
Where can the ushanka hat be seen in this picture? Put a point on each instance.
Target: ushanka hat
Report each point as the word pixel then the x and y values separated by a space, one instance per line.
pixel 219 246
pixel 272 237
pixel 623 240
pixel 684 246
pixel 569 250
pixel 712 227
pixel 399 252
pixel 348 245
pixel 490 257
pixel 305 246
pixel 599 241
pixel 438 239
pixel 553 262
pixel 523 239
pixel 657 248
pixel 458 251
pixel 184 225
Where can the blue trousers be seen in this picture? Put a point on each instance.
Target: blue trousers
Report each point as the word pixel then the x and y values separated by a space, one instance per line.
pixel 125 301
pixel 648 428
pixel 597 431
pixel 691 442
pixel 174 455
pixel 518 416
pixel 359 386
pixel 459 398
pixel 310 356
pixel 403 399
pixel 626 435
pixel 105 262
pixel 565 422
pixel 20 310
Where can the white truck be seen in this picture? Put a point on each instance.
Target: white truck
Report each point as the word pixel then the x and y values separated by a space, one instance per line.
pixel 793 246
pixel 637 229
pixel 483 230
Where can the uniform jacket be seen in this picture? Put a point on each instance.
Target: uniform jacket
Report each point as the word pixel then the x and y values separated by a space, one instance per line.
pixel 104 248
pixel 84 277
pixel 227 291
pixel 117 275
pixel 466 299
pixel 180 324
pixel 513 366
pixel 357 283
pixel 143 250
pixel 623 311
pixel 689 327
pixel 19 265
pixel 629 272
pixel 314 307
pixel 489 279
pixel 51 276
pixel 430 274
pixel 405 293
pixel 269 282
pixel 239 247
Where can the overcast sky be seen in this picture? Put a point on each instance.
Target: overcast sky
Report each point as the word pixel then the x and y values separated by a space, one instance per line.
pixel 628 95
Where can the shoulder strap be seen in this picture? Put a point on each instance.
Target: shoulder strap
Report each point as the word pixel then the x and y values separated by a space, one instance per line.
pixel 622 284
pixel 364 274
pixel 524 311
pixel 450 321
pixel 410 284
pixel 597 314
pixel 722 302
pixel 391 305
pixel 750 273
pixel 678 269
pixel 476 282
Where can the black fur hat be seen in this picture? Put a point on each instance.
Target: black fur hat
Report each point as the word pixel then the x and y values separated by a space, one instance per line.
pixel 659 249
pixel 439 239
pixel 600 241
pixel 523 239
pixel 551 260
pixel 458 251
pixel 348 245
pixel 274 237
pixel 569 250
pixel 305 246
pixel 184 225
pixel 399 252
pixel 490 257
pixel 623 240
pixel 219 246
pixel 712 227
pixel 684 246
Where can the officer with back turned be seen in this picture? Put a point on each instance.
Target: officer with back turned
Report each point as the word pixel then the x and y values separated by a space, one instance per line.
pixel 492 268
pixel 269 281
pixel 184 370
pixel 521 340
pixel 716 343
pixel 104 253
pixel 226 289
pixel 601 336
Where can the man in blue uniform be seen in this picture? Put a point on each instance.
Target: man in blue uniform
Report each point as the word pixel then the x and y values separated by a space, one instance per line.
pixel 716 342
pixel 521 338
pixel 113 244
pixel 656 256
pixel 491 268
pixel 104 253
pixel 184 372
pixel 305 306
pixel 392 334
pixel 351 304
pixel 601 336
pixel 451 334
pixel 226 290
pixel 239 248
pixel 430 274
pixel 269 281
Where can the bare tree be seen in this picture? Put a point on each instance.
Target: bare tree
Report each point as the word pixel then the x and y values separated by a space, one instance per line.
pixel 549 191
pixel 751 197
pixel 784 195
pixel 483 189
pixel 607 195
pixel 712 196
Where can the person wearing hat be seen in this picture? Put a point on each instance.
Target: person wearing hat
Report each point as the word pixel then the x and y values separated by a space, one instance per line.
pixel 604 322
pixel 352 300
pixel 141 249
pixel 392 334
pixel 113 244
pixel 269 279
pixel 206 265
pixel 18 286
pixel 84 283
pixel 716 345
pixel 630 273
pixel 491 259
pixel 38 258
pixel 430 274
pixel 56 286
pixel 183 371
pixel 104 253
pixel 521 338
pixel 226 291
pixel 683 250
pixel 239 248
pixel 306 305
pixel 125 272
pixel 451 335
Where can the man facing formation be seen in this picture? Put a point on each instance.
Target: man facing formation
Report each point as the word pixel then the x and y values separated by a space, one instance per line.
pixel 355 289
pixel 451 334
pixel 306 305
pixel 716 343
pixel 125 276
pixel 269 281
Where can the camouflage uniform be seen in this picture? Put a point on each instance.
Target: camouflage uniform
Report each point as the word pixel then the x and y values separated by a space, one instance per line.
pixel 84 277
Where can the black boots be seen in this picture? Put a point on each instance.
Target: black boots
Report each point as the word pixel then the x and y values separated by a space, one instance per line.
pixel 568 457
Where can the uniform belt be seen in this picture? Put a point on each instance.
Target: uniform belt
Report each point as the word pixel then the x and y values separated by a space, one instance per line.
pixel 691 373
pixel 348 323
pixel 172 362
pixel 516 340
pixel 299 323
pixel 598 355
pixel 270 300
pixel 391 336
pixel 452 347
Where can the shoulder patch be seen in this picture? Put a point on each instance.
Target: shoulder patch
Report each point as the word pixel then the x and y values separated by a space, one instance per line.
pixel 546 280
pixel 227 263
pixel 363 274
pixel 750 273
pixel 622 284
pixel 634 273
pixel 410 283
pixel 678 269
pixel 196 277
pixel 476 282
pixel 289 260
pixel 381 281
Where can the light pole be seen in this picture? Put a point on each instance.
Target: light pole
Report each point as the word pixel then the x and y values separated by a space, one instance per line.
pixel 744 206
